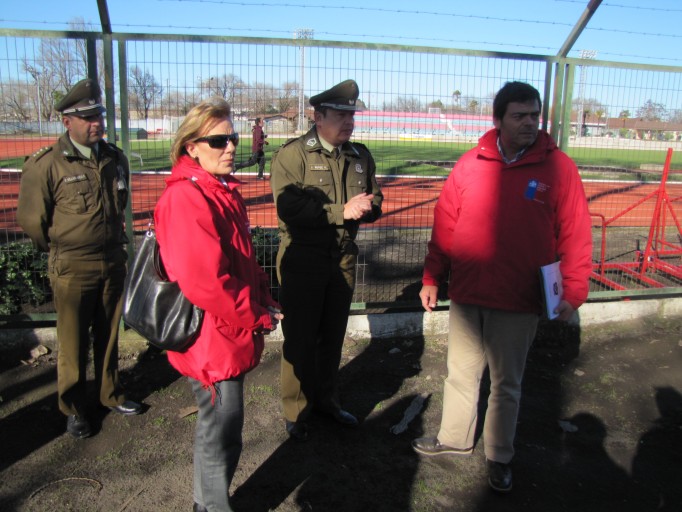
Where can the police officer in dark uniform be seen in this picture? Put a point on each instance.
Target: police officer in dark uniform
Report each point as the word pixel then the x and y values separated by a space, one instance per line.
pixel 72 200
pixel 324 186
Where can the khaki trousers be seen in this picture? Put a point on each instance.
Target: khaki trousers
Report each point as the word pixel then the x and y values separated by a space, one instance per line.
pixel 480 337
pixel 87 295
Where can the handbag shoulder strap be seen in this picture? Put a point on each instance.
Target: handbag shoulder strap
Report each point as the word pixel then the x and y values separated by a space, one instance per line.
pixel 151 235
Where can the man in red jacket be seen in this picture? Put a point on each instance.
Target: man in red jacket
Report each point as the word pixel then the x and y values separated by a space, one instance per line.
pixel 511 205
pixel 257 152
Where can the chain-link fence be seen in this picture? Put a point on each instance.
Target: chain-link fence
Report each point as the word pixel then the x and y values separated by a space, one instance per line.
pixel 423 108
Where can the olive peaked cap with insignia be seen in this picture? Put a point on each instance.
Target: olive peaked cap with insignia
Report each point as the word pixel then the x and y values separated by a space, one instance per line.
pixel 83 100
pixel 343 96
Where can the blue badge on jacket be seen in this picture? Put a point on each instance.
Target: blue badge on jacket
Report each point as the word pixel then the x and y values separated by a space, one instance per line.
pixel 531 189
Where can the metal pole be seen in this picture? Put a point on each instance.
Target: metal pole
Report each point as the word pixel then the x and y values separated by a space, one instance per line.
pixel 36 77
pixel 302 33
pixel 40 115
pixel 584 54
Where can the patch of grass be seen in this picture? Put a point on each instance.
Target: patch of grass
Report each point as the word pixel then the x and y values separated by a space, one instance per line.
pixel 112 455
pixel 608 379
pixel 590 387
pixel 169 392
pixel 426 494
pixel 392 156
pixel 160 421
pixel 260 394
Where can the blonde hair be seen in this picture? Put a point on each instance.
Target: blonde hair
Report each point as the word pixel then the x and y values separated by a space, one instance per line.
pixel 198 121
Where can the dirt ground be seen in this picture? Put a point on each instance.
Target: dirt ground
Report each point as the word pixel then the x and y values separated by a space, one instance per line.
pixel 600 429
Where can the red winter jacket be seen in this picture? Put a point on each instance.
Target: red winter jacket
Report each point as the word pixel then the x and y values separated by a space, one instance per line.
pixel 206 247
pixel 258 140
pixel 496 224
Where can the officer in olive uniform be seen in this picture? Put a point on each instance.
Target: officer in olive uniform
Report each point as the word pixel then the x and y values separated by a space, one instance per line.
pixel 324 186
pixel 71 203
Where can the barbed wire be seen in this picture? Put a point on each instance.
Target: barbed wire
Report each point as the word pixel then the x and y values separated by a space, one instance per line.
pixel 623 6
pixel 360 36
pixel 366 37
pixel 422 12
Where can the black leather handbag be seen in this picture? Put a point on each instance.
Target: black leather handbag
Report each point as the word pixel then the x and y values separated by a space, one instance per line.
pixel 155 307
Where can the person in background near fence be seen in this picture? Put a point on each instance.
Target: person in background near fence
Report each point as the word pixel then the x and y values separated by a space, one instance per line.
pixel 323 187
pixel 72 200
pixel 257 153
pixel 510 205
pixel 205 244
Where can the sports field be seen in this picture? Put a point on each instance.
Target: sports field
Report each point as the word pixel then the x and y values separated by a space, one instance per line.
pixel 633 209
pixel 408 203
pixel 409 200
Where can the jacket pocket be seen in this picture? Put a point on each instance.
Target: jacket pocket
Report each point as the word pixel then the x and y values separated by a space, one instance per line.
pixel 76 195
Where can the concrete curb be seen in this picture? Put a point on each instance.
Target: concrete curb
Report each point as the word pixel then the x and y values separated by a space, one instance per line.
pixel 382 325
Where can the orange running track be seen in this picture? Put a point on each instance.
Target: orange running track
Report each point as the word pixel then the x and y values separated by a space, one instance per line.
pixel 408 202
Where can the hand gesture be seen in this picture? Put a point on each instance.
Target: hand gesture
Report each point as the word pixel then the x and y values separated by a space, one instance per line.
pixel 358 206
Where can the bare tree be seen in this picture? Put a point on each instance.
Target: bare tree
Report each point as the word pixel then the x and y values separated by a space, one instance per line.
pixel 651 111
pixel 408 104
pixel 58 65
pixel 675 116
pixel 16 102
pixel 288 96
pixel 230 87
pixel 144 89
pixel 260 98
pixel 178 103
pixel 79 24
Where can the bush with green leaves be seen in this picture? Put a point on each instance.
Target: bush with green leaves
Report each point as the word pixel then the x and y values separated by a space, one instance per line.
pixel 23 272
pixel 266 245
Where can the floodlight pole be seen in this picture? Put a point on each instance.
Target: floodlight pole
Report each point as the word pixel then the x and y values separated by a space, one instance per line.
pixel 302 33
pixel 584 54
pixel 36 77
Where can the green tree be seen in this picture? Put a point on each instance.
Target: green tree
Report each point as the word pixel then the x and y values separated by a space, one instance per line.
pixel 437 104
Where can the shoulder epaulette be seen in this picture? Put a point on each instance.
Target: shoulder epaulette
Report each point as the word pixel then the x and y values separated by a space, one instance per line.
pixel 40 153
pixel 289 141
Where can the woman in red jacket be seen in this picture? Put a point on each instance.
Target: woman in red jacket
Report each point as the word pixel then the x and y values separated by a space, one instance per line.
pixel 205 243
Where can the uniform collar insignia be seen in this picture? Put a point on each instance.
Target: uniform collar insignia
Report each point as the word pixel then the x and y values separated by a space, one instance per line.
pixel 358 168
pixel 311 141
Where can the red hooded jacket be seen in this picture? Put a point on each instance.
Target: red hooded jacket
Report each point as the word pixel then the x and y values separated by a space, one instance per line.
pixel 496 224
pixel 206 247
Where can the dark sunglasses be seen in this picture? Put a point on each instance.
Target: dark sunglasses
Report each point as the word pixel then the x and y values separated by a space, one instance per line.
pixel 220 141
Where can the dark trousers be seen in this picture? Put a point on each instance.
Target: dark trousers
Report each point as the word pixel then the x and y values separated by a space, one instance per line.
pixel 87 295
pixel 316 293
pixel 258 157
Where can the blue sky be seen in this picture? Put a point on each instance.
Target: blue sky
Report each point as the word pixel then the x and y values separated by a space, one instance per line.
pixel 621 30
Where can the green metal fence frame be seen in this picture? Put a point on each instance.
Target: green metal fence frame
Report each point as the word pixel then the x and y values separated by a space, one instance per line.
pixel 557 99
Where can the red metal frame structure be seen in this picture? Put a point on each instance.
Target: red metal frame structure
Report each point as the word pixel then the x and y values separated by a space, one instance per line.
pixel 656 255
